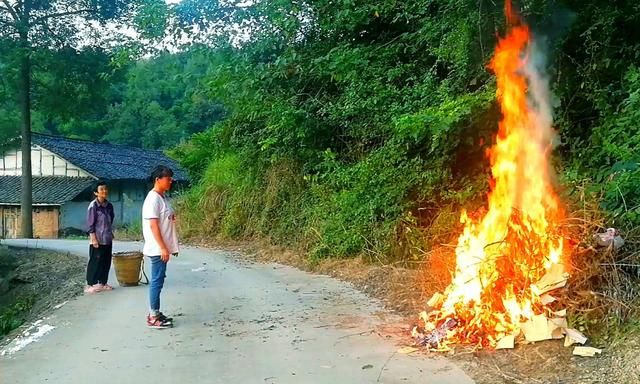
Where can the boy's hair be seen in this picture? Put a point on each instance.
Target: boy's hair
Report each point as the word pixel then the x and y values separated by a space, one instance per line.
pixel 98 184
pixel 160 171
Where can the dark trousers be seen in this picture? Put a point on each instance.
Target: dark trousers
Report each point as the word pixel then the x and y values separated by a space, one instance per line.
pixel 99 264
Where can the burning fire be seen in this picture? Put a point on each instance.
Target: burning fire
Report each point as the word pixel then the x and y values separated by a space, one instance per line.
pixel 509 258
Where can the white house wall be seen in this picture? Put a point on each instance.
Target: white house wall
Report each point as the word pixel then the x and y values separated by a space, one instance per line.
pixel 43 163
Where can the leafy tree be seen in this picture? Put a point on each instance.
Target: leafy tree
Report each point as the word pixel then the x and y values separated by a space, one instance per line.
pixel 163 101
pixel 33 26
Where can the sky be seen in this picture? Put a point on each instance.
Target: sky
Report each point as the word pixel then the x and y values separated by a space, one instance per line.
pixel 93 32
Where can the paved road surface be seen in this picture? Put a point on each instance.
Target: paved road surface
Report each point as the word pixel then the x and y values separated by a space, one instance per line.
pixel 236 322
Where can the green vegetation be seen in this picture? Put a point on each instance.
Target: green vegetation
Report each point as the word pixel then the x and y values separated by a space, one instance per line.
pixel 12 317
pixel 349 131
pixel 351 127
pixel 132 231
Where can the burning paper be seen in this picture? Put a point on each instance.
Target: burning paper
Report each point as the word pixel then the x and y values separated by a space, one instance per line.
pixel 586 351
pixel 507 342
pixel 509 257
pixel 573 337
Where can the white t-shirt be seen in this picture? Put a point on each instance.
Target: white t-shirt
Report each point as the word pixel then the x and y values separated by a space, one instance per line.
pixel 157 206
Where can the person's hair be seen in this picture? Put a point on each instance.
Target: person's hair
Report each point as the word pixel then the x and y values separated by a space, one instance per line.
pixel 160 171
pixel 98 184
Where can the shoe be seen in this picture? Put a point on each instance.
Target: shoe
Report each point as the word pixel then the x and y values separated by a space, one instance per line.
pixel 155 322
pixel 162 317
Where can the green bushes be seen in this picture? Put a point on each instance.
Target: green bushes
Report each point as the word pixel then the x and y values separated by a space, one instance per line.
pixel 12 317
pixel 610 161
pixel 369 129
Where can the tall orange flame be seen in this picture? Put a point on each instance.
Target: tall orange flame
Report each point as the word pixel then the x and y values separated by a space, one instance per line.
pixel 501 257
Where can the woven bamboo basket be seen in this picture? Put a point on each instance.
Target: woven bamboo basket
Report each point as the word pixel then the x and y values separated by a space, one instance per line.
pixel 127 266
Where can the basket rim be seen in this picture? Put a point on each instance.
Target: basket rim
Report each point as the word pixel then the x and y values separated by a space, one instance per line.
pixel 128 254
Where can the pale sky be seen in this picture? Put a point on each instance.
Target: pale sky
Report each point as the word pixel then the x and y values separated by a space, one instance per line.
pixel 95 32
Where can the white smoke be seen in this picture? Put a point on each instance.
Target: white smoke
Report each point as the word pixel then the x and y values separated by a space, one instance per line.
pixel 539 97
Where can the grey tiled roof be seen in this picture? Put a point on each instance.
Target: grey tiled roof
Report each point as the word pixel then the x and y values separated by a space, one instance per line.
pixel 108 161
pixel 46 190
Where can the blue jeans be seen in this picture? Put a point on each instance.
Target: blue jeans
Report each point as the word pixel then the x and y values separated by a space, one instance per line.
pixel 158 273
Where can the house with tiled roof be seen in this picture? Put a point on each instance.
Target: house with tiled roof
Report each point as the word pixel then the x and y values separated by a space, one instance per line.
pixel 64 171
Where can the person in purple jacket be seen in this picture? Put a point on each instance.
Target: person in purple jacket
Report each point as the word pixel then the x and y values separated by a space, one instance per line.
pixel 100 217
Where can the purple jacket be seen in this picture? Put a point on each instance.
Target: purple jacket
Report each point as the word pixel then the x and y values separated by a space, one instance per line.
pixel 100 221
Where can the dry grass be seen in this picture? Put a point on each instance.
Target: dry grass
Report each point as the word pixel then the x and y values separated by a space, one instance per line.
pixel 603 294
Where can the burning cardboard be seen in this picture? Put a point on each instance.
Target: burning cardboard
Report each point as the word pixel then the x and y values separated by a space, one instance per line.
pixel 586 351
pixel 509 256
pixel 507 342
pixel 561 313
pixel 573 337
pixel 555 278
pixel 547 299
pixel 436 300
pixel 537 329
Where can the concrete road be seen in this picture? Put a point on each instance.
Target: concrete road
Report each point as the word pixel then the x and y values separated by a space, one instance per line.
pixel 236 322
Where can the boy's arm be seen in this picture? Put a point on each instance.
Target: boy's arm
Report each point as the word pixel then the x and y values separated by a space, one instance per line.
pixel 155 230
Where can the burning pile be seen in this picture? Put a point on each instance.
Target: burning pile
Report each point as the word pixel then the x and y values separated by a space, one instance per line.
pixel 511 258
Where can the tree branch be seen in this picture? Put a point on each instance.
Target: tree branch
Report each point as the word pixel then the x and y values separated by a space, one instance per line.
pixel 12 11
pixel 54 36
pixel 7 23
pixel 62 14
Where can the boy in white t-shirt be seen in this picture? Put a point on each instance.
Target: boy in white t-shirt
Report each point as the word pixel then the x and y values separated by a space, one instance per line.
pixel 160 240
